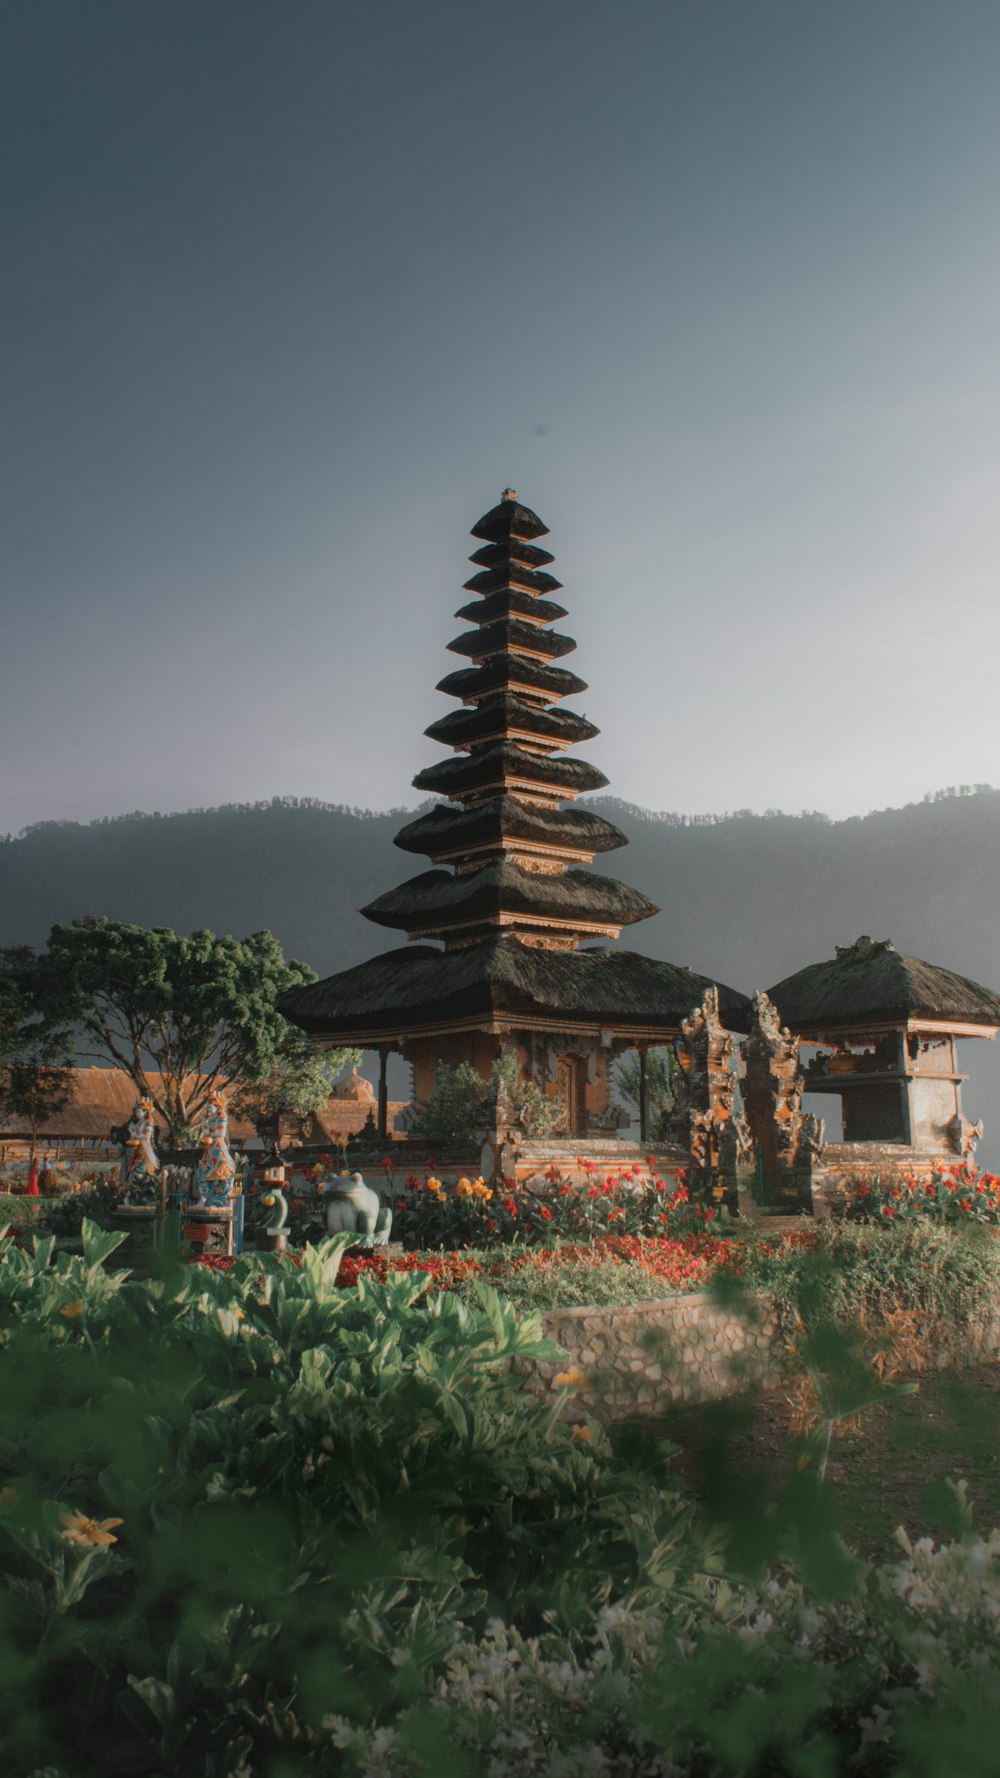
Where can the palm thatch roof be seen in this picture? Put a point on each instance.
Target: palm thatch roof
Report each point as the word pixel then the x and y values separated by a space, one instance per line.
pixel 511 574
pixel 495 717
pixel 503 670
pixel 869 982
pixel 511 549
pixel 512 602
pixel 100 1100
pixel 408 990
pixel 509 519
pixel 445 830
pixel 511 633
pixel 437 897
pixel 497 765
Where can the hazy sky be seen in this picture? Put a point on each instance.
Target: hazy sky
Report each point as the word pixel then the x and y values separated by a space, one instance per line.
pixel 292 290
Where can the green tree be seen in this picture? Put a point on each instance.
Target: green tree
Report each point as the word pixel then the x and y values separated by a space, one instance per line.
pixel 32 1091
pixel 34 1077
pixel 301 1082
pixel 180 1015
pixel 463 1102
pixel 661 1066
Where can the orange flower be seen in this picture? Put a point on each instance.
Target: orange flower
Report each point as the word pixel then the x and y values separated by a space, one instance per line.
pixel 73 1311
pixel 87 1533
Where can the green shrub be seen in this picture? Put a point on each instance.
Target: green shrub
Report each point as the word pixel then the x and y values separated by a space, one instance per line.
pixel 235 1504
pixel 253 1525
pixel 21 1214
pixel 947 1274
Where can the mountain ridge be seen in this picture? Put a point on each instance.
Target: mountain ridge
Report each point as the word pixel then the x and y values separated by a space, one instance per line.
pixel 745 898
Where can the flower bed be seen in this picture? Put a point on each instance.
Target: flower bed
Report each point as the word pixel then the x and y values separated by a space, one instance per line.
pixel 943 1194
pixel 635 1201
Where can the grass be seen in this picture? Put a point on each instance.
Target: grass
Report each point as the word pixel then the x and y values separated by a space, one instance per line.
pixel 893 1469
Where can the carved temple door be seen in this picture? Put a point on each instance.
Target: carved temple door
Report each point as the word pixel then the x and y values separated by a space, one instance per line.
pixel 573 1093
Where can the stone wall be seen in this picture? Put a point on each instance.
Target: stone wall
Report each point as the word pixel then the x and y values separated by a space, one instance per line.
pixel 644 1358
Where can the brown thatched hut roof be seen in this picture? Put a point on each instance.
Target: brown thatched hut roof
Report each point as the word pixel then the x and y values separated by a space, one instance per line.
pixel 101 1099
pixel 869 982
pixel 445 831
pixel 437 898
pixel 414 989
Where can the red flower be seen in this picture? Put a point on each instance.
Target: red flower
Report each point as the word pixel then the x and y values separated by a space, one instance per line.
pixel 543 1210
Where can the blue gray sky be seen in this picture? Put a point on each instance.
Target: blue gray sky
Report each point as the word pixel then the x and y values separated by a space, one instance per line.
pixel 291 291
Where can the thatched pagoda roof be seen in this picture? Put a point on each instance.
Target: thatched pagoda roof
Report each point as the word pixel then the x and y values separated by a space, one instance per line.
pixel 511 633
pixel 409 990
pixel 509 519
pixel 869 982
pixel 512 602
pixel 471 683
pixel 497 580
pixel 445 830
pixel 495 717
pixel 499 765
pixel 438 898
pixel 512 549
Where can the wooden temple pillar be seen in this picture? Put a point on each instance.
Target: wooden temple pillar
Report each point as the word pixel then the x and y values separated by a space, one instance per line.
pixel 643 1096
pixel 383 1092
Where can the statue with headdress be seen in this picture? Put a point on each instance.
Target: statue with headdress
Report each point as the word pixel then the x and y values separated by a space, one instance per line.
pixel 215 1174
pixel 140 1163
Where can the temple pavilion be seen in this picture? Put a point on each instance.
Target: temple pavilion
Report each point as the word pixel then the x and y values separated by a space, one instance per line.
pixel 508 929
pixel 882 1029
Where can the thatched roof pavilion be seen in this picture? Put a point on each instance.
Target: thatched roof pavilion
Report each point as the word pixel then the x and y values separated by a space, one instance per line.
pixel 886 1026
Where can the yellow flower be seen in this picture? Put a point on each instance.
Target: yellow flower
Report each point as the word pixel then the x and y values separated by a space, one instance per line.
pixel 464 1188
pixel 581 1432
pixel 87 1533
pixel 574 1378
pixel 73 1311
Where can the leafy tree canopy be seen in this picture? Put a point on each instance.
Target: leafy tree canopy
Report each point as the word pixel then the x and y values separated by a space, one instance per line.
pixel 34 1081
pixel 300 1083
pixel 661 1066
pixel 462 1102
pixel 181 1015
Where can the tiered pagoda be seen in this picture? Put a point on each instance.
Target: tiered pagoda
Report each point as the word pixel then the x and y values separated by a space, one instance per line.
pixel 502 917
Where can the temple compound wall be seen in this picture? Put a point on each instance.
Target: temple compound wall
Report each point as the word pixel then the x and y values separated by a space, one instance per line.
pixel 647 1358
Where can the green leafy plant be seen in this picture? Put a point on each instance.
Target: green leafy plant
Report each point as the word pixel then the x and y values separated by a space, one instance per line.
pixel 180 1015
pixel 463 1103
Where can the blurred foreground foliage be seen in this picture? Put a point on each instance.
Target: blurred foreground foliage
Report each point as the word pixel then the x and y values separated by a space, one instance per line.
pixel 255 1524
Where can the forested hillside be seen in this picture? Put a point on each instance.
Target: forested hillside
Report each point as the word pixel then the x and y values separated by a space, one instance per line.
pixel 747 898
